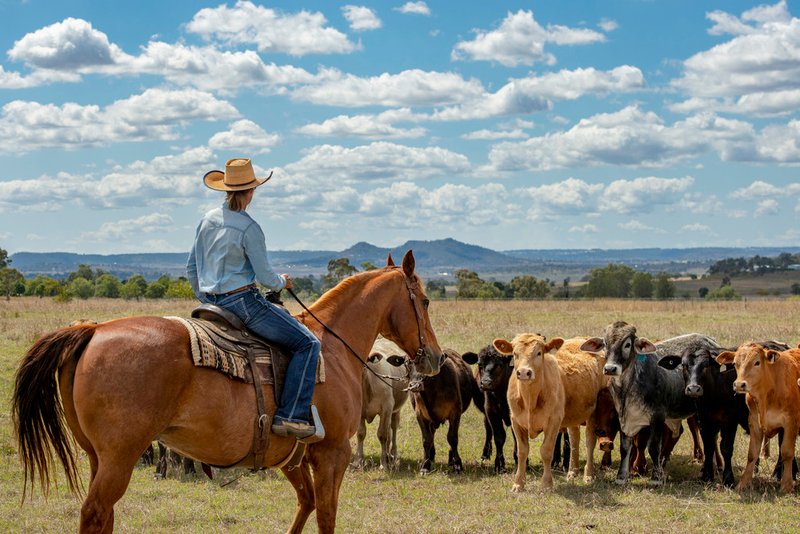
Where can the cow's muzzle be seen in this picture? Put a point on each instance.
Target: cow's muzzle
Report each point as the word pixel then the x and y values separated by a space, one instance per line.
pixel 606 445
pixel 694 391
pixel 525 373
pixel 611 370
pixel 740 386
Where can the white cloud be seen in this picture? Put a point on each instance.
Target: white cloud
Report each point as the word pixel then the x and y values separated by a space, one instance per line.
pixel 570 197
pixel 415 8
pixel 296 34
pixel 608 25
pixel 642 194
pixel 246 137
pixel 163 181
pixel 697 228
pixel 68 45
pixel 378 126
pixel 521 40
pixel 637 226
pixel 767 206
pixel 757 71
pixel 537 93
pixel 629 137
pixel 584 229
pixel 361 18
pixel 493 135
pixel 408 88
pixel 155 114
pixel 147 224
pixel 379 161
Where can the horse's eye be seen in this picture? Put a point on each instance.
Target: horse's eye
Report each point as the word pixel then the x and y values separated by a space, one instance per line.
pixel 425 303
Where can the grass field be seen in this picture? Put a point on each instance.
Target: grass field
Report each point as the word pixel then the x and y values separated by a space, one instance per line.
pixel 402 500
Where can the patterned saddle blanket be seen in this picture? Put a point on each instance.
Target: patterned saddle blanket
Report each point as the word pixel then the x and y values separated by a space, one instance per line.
pixel 221 342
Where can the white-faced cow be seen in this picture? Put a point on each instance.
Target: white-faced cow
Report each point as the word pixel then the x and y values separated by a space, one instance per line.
pixel 383 394
pixel 768 378
pixel 645 394
pixel 548 392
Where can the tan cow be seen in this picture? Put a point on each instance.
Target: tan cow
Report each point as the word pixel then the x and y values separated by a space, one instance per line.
pixel 548 392
pixel 768 377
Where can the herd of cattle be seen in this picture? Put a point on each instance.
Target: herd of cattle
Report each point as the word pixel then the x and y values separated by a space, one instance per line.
pixel 615 384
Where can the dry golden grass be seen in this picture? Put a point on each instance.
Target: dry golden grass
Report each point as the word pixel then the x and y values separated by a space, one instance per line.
pixel 403 501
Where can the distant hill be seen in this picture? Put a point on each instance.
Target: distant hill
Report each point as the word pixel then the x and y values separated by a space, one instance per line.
pixel 434 259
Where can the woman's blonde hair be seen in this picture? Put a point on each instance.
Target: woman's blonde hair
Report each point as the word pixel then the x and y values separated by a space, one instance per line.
pixel 236 200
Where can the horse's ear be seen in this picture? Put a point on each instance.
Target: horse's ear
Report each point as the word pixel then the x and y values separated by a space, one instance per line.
pixel 389 261
pixel 409 263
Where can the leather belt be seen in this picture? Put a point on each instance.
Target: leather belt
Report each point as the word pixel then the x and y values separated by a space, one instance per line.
pixel 238 290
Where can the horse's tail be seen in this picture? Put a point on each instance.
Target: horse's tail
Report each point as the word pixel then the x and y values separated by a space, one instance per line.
pixel 37 410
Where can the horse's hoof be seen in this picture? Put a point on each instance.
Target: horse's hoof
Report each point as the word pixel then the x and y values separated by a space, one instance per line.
pixel 620 481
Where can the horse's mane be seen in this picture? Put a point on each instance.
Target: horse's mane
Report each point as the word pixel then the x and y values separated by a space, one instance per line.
pixel 334 294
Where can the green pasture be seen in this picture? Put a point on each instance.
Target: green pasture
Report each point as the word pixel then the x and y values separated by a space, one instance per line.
pixel 403 501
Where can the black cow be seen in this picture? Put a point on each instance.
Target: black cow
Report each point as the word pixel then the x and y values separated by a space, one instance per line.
pixel 439 398
pixel 494 370
pixel 644 393
pixel 720 409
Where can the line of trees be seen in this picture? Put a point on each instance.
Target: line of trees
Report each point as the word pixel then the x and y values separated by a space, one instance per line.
pixel 758 265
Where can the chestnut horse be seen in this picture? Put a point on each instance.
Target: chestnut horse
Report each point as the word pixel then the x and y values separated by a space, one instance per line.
pixel 128 381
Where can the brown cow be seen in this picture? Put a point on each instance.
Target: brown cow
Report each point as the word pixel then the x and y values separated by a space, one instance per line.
pixel 769 379
pixel 548 392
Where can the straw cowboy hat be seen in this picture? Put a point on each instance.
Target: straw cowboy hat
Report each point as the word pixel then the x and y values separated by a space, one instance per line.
pixel 238 176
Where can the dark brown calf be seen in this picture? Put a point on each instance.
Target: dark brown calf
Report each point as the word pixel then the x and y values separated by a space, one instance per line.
pixel 442 398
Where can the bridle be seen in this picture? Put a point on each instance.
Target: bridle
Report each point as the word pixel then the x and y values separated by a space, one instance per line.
pixel 420 328
pixel 411 286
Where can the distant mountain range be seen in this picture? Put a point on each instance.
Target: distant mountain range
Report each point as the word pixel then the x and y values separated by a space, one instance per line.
pixel 434 259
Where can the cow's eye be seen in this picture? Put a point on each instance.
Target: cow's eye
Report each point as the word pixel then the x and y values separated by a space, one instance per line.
pixel 757 363
pixel 627 345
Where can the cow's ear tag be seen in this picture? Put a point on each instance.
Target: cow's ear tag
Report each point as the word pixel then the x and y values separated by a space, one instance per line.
pixel 642 357
pixel 723 368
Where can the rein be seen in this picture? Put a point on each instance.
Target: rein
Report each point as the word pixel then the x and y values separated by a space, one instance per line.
pixel 352 351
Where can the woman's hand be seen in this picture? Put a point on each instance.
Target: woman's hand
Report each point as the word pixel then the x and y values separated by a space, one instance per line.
pixel 288 279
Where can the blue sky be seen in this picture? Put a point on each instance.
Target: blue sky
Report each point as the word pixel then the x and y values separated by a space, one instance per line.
pixel 614 124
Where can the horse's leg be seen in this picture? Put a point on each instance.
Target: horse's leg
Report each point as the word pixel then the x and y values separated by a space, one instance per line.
pixel 358 460
pixel 300 478
pixel 329 464
pixel 110 480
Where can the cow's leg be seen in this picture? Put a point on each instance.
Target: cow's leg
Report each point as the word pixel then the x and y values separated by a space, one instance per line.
pixel 575 454
pixel 591 443
pixel 300 478
pixel 787 458
pixel 654 448
pixel 728 436
pixel 546 453
pixel 428 448
pixel 161 464
pixel 385 435
pixel 521 439
pixel 695 431
pixel 709 432
pixel 487 442
pixel 499 432
pixel 756 436
pixel 625 446
pixel 358 459
pixel 556 462
pixel 453 459
pixel 395 426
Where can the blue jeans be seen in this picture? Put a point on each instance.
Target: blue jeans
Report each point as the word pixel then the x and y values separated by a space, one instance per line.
pixel 275 324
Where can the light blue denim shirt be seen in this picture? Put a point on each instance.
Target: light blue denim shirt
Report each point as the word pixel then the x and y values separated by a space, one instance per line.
pixel 229 252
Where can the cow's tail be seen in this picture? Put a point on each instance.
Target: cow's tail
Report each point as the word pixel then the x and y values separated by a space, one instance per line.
pixel 37 410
